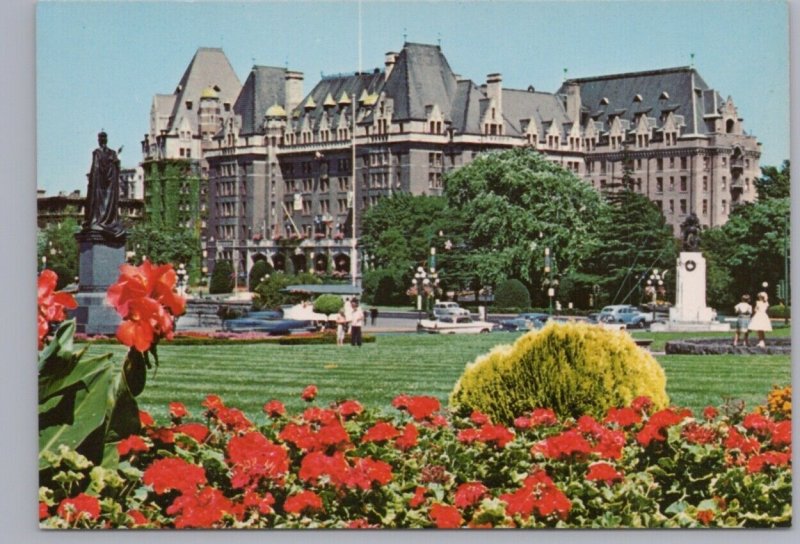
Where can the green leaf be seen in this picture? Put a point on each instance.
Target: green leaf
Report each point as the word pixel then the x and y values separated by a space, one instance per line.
pixel 89 410
pixel 82 372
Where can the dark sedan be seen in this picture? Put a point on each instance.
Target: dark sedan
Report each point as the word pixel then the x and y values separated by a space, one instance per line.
pixel 279 327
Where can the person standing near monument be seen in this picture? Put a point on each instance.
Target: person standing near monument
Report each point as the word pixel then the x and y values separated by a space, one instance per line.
pixel 356 323
pixel 341 326
pixel 102 195
pixel 743 312
pixel 760 321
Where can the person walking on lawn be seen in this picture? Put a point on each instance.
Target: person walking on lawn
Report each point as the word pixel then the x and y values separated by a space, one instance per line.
pixel 760 321
pixel 743 312
pixel 356 323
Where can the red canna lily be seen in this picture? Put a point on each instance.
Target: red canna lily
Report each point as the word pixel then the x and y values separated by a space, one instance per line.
pixel 51 303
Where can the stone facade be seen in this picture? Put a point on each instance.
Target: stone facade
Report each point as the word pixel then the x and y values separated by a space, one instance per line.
pixel 286 172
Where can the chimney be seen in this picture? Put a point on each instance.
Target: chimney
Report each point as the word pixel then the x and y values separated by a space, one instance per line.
pixel 293 90
pixel 391 58
pixel 494 89
pixel 573 101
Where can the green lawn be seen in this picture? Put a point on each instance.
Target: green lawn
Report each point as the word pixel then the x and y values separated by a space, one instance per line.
pixel 661 338
pixel 247 376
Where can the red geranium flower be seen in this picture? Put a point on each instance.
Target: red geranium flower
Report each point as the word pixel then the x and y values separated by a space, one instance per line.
pixel 145 419
pixel 469 494
pixel 468 436
pixel 418 498
pixel 652 430
pixel 300 435
pixel 735 441
pixel 408 439
pixel 709 412
pixel 543 417
pixel 315 414
pixel 380 432
pixel 642 404
pixel 253 500
pixel 697 434
pixel 420 407
pixel 274 408
pixel 567 444
pixel 588 425
pixel 497 434
pixel 137 518
pixel 200 510
pixel 757 424
pixel 51 303
pixel 198 431
pixel 161 434
pixel 782 433
pixel 303 502
pixel 253 457
pixel 603 472
pixel 309 393
pixel 522 423
pixel 332 435
pixel 234 419
pixel 173 473
pixel 624 417
pixel 361 523
pixel 350 408
pixel 610 444
pixel 80 507
pixel 133 443
pixel 43 511
pixel 446 516
pixel 538 495
pixel 478 418
pixel 316 464
pixel 366 472
pixel 705 516
pixel 212 403
pixel 178 410
pixel 769 458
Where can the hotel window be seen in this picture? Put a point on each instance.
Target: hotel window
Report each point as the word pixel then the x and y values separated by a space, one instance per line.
pixel 683 205
pixel 724 160
pixel 724 182
pixel 660 205
pixel 684 163
pixel 671 183
pixel 705 206
pixel 671 206
pixel 659 185
pixel 684 184
pixel 705 183
pixel 672 162
pixel 659 165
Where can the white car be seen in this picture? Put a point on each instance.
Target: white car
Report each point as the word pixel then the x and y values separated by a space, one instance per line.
pixel 442 309
pixel 455 324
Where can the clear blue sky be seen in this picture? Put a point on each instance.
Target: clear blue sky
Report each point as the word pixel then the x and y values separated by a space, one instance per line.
pixel 100 63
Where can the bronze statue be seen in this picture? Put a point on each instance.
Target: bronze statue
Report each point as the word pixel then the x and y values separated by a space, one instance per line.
pixel 690 232
pixel 102 197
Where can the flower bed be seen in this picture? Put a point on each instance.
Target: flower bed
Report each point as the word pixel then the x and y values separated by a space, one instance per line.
pixel 346 466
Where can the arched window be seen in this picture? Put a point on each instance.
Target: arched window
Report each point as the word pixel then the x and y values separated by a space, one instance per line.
pixel 729 126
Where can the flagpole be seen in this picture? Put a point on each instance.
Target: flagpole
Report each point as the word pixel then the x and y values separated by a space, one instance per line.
pixel 353 240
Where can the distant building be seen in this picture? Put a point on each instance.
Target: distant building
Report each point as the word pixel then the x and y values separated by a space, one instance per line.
pixel 131 183
pixel 57 208
pixel 286 172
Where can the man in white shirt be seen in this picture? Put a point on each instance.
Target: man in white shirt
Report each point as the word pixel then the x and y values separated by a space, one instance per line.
pixel 356 323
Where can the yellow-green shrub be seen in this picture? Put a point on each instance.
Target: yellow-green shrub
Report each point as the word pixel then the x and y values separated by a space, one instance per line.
pixel 572 368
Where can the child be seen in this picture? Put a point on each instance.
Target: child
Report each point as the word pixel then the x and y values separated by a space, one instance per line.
pixel 743 312
pixel 341 323
pixel 760 322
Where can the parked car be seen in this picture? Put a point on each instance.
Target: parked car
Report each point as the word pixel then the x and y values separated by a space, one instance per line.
pixel 278 327
pixel 514 325
pixel 268 315
pixel 455 324
pixel 537 319
pixel 441 309
pixel 624 313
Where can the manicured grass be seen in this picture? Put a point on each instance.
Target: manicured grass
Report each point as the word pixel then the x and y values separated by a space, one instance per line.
pixel 247 376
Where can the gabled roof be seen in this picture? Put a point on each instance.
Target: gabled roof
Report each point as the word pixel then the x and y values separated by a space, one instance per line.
pixel 536 106
pixel 421 77
pixel 352 84
pixel 265 87
pixel 621 89
pixel 209 68
pixel 465 113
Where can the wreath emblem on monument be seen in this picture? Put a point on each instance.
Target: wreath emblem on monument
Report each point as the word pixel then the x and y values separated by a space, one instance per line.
pixel 690 265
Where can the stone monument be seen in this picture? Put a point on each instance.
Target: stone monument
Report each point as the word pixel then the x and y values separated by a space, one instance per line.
pixel 101 243
pixel 690 312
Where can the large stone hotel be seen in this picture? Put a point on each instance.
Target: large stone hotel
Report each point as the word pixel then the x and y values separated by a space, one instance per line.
pixel 283 174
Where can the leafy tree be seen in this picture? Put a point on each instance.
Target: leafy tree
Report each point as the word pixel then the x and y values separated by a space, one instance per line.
pixel 512 294
pixel 747 251
pixel 387 286
pixel 259 269
pixel 221 278
pixel 774 183
pixel 519 203
pixel 57 243
pixel 165 245
pixel 269 293
pixel 634 238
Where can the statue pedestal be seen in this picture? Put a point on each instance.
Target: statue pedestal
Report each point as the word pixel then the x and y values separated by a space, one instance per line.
pixel 98 267
pixel 690 312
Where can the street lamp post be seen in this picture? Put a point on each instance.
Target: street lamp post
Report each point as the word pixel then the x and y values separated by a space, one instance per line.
pixel 550 283
pixel 420 280
pixel 654 284
pixel 181 273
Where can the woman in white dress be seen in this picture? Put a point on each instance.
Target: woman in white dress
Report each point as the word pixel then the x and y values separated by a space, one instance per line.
pixel 341 325
pixel 760 321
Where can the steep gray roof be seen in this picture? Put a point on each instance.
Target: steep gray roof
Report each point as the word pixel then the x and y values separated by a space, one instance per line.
pixel 352 84
pixel 421 77
pixel 465 113
pixel 541 108
pixel 620 90
pixel 265 86
pixel 209 68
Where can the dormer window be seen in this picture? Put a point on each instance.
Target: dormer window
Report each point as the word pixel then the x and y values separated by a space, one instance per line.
pixel 227 106
pixel 637 98
pixel 664 96
pixel 604 101
pixel 188 104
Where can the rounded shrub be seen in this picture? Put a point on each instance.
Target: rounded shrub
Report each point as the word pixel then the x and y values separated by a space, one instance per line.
pixel 572 368
pixel 221 278
pixel 259 269
pixel 512 294
pixel 328 304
